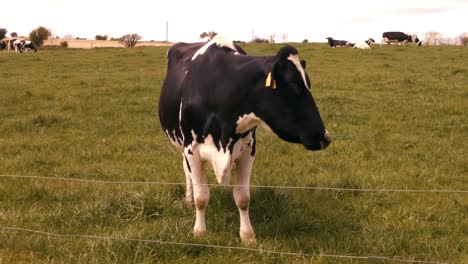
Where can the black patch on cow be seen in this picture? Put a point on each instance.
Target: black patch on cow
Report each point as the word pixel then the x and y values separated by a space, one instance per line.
pixel 253 143
pixel 213 127
pixel 188 164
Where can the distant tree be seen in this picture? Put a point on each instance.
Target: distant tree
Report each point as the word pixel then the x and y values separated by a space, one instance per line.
pixel 14 34
pixel 68 36
pixel 464 39
pixel 284 37
pixel 130 40
pixel 101 37
pixel 305 41
pixel 259 40
pixel 210 35
pixel 64 44
pixel 432 37
pixel 38 35
pixel 3 33
pixel 203 35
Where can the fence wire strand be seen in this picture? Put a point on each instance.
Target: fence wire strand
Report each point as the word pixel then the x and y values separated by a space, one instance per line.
pixel 234 185
pixel 257 250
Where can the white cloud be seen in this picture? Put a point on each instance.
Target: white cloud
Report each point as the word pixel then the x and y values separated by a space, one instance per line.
pixel 343 19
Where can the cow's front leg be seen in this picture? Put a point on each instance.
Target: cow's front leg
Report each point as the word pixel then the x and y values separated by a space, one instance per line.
pixel 201 192
pixel 241 194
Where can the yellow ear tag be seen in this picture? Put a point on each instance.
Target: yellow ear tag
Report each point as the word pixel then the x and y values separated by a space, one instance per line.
pixel 274 84
pixel 268 80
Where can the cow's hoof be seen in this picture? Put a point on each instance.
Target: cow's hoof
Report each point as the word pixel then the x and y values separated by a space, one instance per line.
pixel 248 238
pixel 199 233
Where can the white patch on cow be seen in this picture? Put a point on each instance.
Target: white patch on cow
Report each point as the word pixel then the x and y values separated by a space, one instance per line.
pixel 180 111
pixel 361 45
pixel 248 121
pixel 218 40
pixel 297 62
pixel 224 42
pixel 385 40
pixel 221 160
pixel 174 140
pixel 241 145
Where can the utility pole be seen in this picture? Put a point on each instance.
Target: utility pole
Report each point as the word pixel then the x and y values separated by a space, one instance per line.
pixel 167 31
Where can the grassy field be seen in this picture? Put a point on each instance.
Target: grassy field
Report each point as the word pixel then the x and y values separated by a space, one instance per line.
pixel 397 115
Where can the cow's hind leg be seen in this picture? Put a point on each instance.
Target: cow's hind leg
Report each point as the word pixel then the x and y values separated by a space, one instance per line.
pixel 188 180
pixel 241 194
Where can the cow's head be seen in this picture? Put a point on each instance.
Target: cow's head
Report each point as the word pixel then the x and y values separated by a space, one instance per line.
pixel 289 109
pixel 415 39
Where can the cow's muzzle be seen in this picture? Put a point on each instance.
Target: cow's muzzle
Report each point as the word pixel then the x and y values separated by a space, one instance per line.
pixel 325 141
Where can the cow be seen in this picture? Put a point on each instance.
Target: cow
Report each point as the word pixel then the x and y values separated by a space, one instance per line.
pixel 15 44
pixel 338 43
pixel 363 44
pixel 400 37
pixel 27 45
pixel 213 99
pixel 3 45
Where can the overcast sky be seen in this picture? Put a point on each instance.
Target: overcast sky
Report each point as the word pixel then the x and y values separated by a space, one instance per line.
pixel 237 20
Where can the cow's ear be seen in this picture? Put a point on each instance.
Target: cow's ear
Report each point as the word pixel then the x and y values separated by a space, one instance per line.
pixel 286 51
pixel 270 75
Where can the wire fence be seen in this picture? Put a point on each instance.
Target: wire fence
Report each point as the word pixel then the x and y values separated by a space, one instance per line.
pixel 234 185
pixel 251 249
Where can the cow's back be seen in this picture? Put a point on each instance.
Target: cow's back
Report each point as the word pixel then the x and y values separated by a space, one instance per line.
pixel 395 35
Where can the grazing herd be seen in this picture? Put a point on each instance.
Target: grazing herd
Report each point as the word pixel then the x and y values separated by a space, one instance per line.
pixel 397 37
pixel 344 43
pixel 18 45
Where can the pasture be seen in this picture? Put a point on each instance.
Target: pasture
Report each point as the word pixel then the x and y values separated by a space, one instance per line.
pixel 397 117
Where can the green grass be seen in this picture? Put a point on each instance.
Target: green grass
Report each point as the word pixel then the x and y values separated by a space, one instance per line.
pixel 398 119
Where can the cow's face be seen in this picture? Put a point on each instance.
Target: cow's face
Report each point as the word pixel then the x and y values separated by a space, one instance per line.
pixel 291 111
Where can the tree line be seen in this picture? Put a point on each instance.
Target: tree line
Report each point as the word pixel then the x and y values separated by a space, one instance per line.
pixel 40 34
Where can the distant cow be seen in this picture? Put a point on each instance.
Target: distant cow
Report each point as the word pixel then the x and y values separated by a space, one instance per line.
pixel 338 43
pixel 400 37
pixel 15 44
pixel 364 44
pixel 213 99
pixel 27 45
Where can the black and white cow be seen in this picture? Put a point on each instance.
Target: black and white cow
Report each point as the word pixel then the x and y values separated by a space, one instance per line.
pixel 27 45
pixel 400 37
pixel 213 99
pixel 3 45
pixel 338 43
pixel 15 44
pixel 363 44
